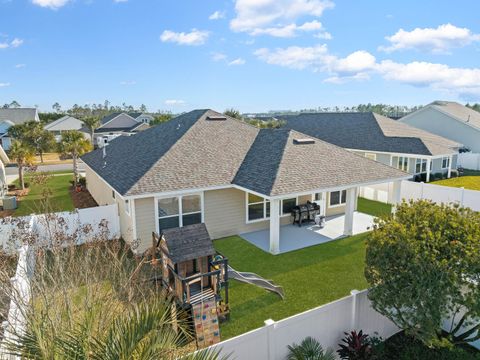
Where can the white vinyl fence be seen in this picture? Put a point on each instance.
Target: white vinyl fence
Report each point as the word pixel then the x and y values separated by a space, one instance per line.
pixel 469 161
pixel 326 323
pixel 415 191
pixel 100 219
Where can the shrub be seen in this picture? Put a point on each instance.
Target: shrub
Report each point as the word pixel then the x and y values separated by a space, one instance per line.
pixel 309 349
pixel 357 346
pixel 454 173
pixel 83 181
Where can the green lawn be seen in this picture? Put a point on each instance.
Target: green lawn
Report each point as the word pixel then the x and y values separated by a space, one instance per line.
pixel 468 182
pixel 374 208
pixel 60 196
pixel 310 277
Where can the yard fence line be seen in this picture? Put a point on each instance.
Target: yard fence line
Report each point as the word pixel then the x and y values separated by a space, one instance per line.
pixel 416 191
pixel 469 161
pixel 71 222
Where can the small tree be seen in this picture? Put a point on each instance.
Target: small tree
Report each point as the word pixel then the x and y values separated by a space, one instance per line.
pixel 234 113
pixel 23 155
pixel 74 144
pixel 423 267
pixel 33 134
pixel 92 123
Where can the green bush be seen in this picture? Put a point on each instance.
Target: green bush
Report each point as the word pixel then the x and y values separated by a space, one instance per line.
pixel 309 349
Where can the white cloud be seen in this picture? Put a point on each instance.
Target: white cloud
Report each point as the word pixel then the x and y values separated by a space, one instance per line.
pixel 120 1
pixel 128 82
pixel 217 15
pixel 4 85
pixel 19 66
pixel 238 61
pixel 193 38
pixel 218 56
pixel 52 4
pixel 291 30
pixel 276 17
pixel 439 40
pixel 16 42
pixel 175 102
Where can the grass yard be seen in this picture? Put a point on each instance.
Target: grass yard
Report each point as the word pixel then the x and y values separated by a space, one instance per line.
pixel 60 196
pixel 468 182
pixel 310 277
pixel 374 208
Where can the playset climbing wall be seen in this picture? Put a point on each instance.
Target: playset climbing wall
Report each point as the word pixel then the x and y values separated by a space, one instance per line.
pixel 205 320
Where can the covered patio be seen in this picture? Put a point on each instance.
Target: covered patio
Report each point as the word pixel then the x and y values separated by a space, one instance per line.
pixel 293 237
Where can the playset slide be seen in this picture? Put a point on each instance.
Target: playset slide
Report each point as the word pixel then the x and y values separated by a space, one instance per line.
pixel 254 279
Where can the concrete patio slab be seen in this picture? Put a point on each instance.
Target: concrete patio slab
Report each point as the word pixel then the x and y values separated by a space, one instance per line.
pixel 293 237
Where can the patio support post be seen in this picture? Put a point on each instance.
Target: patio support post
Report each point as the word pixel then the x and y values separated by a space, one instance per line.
pixel 429 162
pixel 449 173
pixel 274 226
pixel 397 194
pixel 349 210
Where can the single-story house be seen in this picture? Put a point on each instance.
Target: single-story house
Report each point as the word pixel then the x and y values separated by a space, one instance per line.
pixel 205 167
pixel 14 116
pixel 382 139
pixel 117 124
pixel 448 119
pixel 65 123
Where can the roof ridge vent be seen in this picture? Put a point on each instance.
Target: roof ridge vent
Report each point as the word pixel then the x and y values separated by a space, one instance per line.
pixel 303 141
pixel 216 117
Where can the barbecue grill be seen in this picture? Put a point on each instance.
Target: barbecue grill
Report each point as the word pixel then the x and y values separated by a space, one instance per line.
pixel 305 213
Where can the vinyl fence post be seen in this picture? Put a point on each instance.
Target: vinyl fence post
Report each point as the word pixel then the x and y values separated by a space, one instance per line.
pixel 354 318
pixel 270 326
pixel 462 195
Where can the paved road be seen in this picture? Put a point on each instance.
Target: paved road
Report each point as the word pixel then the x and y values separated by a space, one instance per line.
pixel 13 170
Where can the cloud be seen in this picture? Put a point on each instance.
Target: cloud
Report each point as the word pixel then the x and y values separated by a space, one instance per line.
pixel 217 15
pixel 439 40
pixel 238 61
pixel 277 17
pixel 19 66
pixel 4 85
pixel 218 56
pixel 52 4
pixel 16 42
pixel 292 30
pixel 175 102
pixel 193 38
pixel 128 82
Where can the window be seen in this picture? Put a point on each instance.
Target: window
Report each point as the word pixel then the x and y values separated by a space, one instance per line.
pixel 113 194
pixel 288 205
pixel 371 156
pixel 420 166
pixel 179 211
pixel 318 196
pixel 338 198
pixel 258 208
pixel 400 162
pixel 445 162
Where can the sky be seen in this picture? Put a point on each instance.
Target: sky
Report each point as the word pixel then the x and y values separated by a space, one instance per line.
pixel 253 55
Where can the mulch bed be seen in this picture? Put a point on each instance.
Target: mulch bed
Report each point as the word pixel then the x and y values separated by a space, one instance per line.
pixel 82 199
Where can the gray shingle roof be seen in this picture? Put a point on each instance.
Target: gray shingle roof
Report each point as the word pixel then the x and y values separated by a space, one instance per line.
pixel 18 115
pixel 188 243
pixel 369 131
pixel 66 122
pixel 192 152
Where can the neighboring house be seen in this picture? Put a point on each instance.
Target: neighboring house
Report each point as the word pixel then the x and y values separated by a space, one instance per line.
pixel 65 123
pixel 382 139
pixel 3 176
pixel 142 117
pixel 449 119
pixel 205 167
pixel 14 116
pixel 117 124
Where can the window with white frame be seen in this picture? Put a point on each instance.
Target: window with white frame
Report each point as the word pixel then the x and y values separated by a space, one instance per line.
pixel 288 205
pixel 420 166
pixel 400 162
pixel 338 198
pixel 179 211
pixel 258 208
pixel 445 162
pixel 318 196
pixel 371 156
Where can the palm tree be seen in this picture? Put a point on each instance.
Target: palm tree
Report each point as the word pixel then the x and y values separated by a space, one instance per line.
pixel 24 155
pixel 92 123
pixel 309 349
pixel 74 144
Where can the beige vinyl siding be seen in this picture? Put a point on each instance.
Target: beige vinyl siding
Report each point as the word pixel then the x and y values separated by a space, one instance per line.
pixel 145 222
pixel 304 198
pixel 225 214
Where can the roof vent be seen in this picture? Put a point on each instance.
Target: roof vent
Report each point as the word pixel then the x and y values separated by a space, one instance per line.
pixel 217 117
pixel 303 141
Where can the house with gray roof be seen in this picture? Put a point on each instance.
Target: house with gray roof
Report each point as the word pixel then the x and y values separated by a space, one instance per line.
pixel 14 116
pixel 379 138
pixel 65 123
pixel 449 119
pixel 205 167
pixel 117 124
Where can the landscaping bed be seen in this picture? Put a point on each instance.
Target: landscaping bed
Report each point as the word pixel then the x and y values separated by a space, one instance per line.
pixel 310 277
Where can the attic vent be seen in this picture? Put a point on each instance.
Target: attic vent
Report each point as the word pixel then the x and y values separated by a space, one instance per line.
pixel 216 118
pixel 303 141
